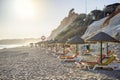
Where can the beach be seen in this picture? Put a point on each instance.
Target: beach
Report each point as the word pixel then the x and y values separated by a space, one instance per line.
pixel 26 63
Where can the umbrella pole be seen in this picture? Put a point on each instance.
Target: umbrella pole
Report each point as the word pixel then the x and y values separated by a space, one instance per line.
pixel 107 48
pixel 76 48
pixel 56 47
pixel 101 52
pixel 63 48
pixel 51 47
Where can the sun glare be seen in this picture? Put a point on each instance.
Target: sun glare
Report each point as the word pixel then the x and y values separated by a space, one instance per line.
pixel 25 18
pixel 24 9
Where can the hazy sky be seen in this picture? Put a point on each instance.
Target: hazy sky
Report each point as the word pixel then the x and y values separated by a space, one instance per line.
pixel 34 18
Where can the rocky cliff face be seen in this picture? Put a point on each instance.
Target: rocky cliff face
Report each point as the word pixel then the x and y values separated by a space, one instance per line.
pixel 86 25
pixel 109 25
pixel 64 24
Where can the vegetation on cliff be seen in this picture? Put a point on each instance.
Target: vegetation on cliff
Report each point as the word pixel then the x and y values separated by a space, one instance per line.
pixel 80 23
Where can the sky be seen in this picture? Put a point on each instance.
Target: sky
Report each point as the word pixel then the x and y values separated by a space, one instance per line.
pixel 35 18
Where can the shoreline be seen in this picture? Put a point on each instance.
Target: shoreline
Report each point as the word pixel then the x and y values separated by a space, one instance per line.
pixel 11 46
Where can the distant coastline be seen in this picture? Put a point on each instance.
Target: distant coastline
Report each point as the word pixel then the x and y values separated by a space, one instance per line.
pixel 18 41
pixel 11 46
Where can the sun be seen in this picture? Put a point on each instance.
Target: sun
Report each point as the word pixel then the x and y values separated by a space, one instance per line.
pixel 24 9
pixel 26 18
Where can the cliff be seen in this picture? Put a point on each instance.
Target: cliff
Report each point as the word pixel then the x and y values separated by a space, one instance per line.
pixel 64 24
pixel 109 25
pixel 86 25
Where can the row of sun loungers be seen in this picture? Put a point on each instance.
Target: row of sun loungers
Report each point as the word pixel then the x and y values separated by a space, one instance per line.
pixel 107 61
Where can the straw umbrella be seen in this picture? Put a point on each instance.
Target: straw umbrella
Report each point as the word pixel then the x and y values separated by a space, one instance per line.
pixel 51 42
pixel 102 37
pixel 45 43
pixel 76 40
pixel 40 43
pixel 63 41
pixel 55 44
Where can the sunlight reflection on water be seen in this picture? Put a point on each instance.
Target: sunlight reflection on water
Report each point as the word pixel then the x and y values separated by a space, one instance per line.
pixel 10 46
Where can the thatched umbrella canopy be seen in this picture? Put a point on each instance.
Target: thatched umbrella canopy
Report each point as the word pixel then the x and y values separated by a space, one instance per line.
pixel 40 43
pixel 102 37
pixel 51 43
pixel 62 41
pixel 45 43
pixel 76 40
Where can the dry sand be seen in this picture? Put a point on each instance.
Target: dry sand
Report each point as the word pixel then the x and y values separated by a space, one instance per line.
pixel 25 63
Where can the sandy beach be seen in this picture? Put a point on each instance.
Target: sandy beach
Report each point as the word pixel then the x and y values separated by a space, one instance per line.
pixel 25 63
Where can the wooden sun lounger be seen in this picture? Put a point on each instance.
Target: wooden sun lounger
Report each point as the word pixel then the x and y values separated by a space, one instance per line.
pixel 106 64
pixel 75 59
pixel 69 57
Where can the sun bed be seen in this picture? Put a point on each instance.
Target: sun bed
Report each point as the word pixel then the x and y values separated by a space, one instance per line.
pixel 69 56
pixel 105 64
pixel 75 59
pixel 89 64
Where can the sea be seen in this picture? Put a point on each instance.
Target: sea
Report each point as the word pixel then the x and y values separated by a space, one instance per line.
pixel 10 46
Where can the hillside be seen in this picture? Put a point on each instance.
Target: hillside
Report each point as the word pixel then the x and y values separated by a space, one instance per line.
pixel 78 23
pixel 109 24
pixel 64 24
pixel 74 24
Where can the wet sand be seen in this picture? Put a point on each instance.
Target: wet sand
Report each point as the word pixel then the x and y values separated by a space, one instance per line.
pixel 25 63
